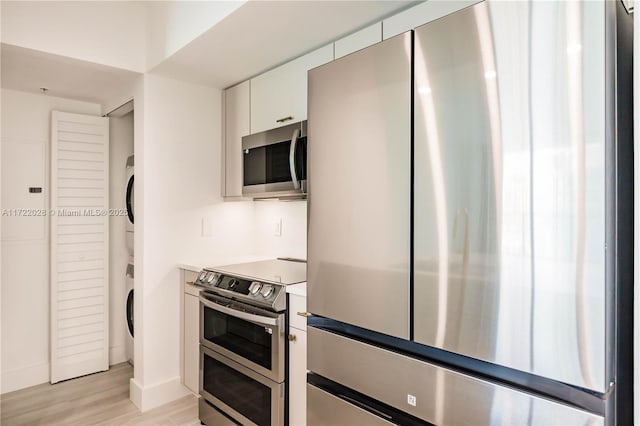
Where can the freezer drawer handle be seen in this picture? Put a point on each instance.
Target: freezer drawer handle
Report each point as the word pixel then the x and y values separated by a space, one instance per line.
pixel 283 119
pixel 365 407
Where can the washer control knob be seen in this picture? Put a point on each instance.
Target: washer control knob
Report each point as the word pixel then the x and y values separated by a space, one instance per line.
pixel 255 287
pixel 267 290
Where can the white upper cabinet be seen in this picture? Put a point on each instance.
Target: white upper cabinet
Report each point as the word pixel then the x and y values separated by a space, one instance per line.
pixel 421 14
pixel 358 40
pixel 236 122
pixel 279 96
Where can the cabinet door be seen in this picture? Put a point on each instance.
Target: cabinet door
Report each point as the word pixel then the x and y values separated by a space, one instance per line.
pixel 191 342
pixel 236 122
pixel 279 96
pixel 421 14
pixel 297 377
pixel 358 40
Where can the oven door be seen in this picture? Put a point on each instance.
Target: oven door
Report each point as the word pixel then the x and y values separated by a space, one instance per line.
pixel 241 393
pixel 247 335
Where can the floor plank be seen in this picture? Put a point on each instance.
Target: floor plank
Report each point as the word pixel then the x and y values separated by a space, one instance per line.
pixel 97 399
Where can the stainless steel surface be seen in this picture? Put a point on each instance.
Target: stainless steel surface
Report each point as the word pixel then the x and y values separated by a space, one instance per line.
pixel 292 158
pixel 442 396
pixel 326 409
pixel 256 319
pixel 276 271
pixel 210 416
pixel 359 157
pixel 276 189
pixel 277 390
pixel 272 136
pixel 510 187
pixel 272 322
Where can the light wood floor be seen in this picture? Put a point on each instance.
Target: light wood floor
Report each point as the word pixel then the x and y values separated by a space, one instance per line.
pixel 98 399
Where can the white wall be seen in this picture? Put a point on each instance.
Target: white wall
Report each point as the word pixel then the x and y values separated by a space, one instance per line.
pixel 292 215
pixel 25 240
pixel 177 186
pixel 110 33
pixel 120 147
pixel 172 25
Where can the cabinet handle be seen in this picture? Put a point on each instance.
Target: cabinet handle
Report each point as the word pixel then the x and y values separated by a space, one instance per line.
pixel 283 119
pixel 292 337
pixel 190 282
pixel 304 314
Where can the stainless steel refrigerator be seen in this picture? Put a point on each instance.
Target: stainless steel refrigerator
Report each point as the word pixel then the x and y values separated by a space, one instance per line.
pixel 470 254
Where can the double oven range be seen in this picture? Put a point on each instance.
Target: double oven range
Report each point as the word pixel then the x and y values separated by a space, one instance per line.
pixel 243 329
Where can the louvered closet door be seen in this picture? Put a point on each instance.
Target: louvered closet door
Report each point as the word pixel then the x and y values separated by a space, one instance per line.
pixel 79 245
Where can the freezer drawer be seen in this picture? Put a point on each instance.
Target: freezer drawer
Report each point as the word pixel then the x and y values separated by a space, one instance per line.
pixel 326 409
pixel 429 392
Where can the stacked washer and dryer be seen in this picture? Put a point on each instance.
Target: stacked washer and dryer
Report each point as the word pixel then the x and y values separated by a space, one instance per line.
pixel 129 279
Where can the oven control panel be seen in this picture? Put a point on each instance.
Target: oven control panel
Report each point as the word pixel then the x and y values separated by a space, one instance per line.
pixel 246 290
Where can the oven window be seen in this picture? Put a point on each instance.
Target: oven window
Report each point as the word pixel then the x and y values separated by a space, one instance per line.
pixel 244 338
pixel 270 163
pixel 250 398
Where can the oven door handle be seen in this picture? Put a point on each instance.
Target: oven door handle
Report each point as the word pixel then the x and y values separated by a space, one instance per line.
pixel 258 319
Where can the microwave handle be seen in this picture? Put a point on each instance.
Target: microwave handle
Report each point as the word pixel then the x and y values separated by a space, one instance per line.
pixel 258 319
pixel 292 159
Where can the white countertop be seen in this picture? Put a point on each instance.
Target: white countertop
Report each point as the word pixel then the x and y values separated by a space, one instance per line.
pixel 298 289
pixel 197 266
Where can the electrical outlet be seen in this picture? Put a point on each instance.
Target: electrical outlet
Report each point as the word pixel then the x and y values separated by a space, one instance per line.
pixel 277 228
pixel 411 400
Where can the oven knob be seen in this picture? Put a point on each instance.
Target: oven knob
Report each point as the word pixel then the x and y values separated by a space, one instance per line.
pixel 267 290
pixel 211 277
pixel 233 284
pixel 255 287
pixel 202 276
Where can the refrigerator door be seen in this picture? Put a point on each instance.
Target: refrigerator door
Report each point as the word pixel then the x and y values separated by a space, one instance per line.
pixel 510 187
pixel 359 156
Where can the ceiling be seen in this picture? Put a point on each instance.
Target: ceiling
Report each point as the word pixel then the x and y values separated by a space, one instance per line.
pixel 28 70
pixel 263 34
pixel 256 37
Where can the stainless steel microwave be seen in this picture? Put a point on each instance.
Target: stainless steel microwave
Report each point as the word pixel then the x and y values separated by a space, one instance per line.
pixel 275 163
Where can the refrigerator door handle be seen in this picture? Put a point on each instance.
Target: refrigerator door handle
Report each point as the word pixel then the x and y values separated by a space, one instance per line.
pixel 292 159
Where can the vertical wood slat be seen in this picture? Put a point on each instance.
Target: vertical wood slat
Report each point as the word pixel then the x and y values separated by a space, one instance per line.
pixel 79 245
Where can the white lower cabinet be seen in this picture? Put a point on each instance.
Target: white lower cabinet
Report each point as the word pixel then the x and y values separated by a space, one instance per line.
pixel 297 360
pixel 191 338
pixel 297 377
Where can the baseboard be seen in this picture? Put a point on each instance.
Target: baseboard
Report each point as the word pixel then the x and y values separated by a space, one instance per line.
pixel 149 397
pixel 24 377
pixel 117 355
